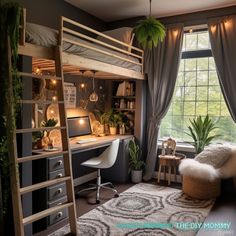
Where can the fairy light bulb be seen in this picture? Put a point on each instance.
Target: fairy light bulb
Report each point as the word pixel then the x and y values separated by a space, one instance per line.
pixel 54 98
pixel 54 82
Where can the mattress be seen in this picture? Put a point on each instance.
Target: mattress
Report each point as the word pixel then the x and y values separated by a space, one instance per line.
pixel 47 37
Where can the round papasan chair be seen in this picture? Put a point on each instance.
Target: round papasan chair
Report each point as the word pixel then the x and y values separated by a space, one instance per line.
pixel 202 175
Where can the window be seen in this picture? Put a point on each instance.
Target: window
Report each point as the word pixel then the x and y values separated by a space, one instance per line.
pixel 197 92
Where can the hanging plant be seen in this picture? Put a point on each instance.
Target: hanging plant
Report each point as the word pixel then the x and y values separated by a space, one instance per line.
pixel 150 32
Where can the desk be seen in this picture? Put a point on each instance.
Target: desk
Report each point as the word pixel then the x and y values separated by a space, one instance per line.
pixel 99 143
pixel 49 168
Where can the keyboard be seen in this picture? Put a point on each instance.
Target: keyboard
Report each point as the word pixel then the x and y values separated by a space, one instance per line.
pixel 86 140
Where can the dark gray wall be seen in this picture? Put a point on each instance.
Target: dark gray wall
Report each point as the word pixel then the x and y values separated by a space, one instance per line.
pixel 82 94
pixel 48 13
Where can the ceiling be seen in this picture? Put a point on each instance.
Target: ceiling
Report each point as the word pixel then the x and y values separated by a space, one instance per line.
pixel 111 10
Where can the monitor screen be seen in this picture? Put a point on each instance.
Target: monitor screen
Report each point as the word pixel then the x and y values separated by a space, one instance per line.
pixel 78 126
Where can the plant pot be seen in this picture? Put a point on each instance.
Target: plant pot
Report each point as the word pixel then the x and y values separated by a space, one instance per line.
pixel 102 129
pixel 113 130
pixel 136 176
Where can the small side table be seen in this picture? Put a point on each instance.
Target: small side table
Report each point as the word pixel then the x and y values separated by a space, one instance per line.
pixel 169 161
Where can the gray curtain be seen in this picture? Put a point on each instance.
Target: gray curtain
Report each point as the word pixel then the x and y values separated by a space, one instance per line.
pixel 223 43
pixel 161 66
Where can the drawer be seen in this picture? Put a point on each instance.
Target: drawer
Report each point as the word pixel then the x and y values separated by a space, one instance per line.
pixel 56 191
pixel 62 214
pixel 56 174
pixel 55 163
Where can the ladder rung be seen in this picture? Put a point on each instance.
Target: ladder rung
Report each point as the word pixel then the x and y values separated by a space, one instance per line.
pixel 50 77
pixel 45 213
pixel 44 184
pixel 40 156
pixel 21 131
pixel 40 102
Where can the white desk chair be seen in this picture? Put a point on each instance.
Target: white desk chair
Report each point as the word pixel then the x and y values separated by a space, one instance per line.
pixel 103 161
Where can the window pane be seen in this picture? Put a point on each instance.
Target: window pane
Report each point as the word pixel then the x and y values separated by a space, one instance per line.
pixel 214 93
pixel 202 93
pixel 189 108
pixel 180 79
pixel 214 108
pixel 190 64
pixel 190 78
pixel 212 65
pixel 190 93
pixel 191 42
pixel 202 78
pixel 177 108
pixel 203 40
pixel 201 108
pixel 213 78
pixel 202 63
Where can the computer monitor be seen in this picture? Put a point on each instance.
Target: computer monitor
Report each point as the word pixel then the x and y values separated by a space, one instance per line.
pixel 78 126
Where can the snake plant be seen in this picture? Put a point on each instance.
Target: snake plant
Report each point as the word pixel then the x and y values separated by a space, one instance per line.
pixel 200 131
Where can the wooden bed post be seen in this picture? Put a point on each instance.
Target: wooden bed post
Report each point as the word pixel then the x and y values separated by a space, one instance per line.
pixel 22 27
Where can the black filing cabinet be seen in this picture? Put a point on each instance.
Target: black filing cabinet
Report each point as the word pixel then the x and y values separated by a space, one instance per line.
pixel 48 169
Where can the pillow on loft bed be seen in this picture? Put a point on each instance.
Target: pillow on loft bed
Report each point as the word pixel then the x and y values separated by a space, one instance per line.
pixel 123 34
pixel 41 35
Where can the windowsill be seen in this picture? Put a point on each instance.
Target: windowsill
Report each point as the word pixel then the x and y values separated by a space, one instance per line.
pixel 184 147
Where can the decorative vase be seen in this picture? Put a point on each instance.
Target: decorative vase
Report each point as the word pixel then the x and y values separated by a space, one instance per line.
pixel 122 130
pixel 136 176
pixel 113 130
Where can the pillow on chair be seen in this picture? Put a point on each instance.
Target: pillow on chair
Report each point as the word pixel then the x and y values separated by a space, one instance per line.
pixel 215 155
pixel 195 169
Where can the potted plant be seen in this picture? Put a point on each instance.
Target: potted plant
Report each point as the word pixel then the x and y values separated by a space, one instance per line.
pixel 114 119
pixel 200 131
pixel 135 163
pixel 104 118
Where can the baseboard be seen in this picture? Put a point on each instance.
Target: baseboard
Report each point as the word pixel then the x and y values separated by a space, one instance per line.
pixel 172 177
pixel 85 178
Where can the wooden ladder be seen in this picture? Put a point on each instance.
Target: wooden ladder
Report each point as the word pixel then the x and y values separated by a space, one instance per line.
pixel 17 191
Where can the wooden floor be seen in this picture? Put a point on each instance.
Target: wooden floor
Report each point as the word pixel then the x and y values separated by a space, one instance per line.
pixel 224 209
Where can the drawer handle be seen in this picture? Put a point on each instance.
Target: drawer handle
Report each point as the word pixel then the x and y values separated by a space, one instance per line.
pixel 59 190
pixel 59 175
pixel 59 214
pixel 59 163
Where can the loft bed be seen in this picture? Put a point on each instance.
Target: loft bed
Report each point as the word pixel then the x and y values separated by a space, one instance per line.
pixel 82 54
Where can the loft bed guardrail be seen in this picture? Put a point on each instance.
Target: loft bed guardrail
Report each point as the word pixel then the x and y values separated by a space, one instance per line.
pixel 81 52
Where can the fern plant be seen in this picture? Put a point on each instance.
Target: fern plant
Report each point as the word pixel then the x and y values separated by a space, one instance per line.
pixel 200 131
pixel 150 32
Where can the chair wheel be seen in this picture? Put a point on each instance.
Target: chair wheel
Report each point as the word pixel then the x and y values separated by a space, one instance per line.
pixel 116 195
pixel 98 201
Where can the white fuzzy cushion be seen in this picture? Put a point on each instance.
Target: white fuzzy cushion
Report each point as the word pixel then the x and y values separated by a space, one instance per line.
pixel 195 169
pixel 228 170
pixel 215 155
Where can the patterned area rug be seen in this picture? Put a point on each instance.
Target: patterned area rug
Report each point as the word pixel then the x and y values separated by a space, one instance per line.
pixel 144 209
